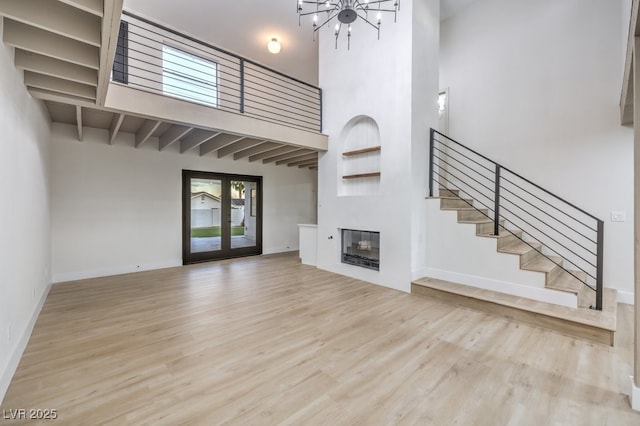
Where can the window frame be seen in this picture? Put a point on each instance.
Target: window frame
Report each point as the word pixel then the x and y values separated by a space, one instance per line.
pixel 191 80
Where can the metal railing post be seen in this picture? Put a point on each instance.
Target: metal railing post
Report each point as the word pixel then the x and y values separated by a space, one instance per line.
pixel 600 264
pixel 241 85
pixel 496 202
pixel 320 95
pixel 431 140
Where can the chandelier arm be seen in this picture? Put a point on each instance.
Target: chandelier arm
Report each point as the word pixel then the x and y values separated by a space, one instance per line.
pixel 315 13
pixel 318 3
pixel 325 22
pixel 376 2
pixel 367 21
pixel 380 10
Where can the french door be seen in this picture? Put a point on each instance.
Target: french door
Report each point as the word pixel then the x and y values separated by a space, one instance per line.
pixel 221 216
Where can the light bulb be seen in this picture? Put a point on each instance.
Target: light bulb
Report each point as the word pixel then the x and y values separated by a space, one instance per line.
pixel 315 18
pixel 379 16
pixel 328 4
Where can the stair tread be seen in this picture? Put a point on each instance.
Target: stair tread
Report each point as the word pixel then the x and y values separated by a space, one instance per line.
pixel 502 234
pixel 565 282
pixel 476 221
pixel 605 319
pixel 519 247
pixel 457 208
pixel 542 264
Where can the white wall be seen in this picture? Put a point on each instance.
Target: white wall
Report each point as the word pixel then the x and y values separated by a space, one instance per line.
pixel 101 196
pixel 536 87
pixel 25 233
pixel 390 81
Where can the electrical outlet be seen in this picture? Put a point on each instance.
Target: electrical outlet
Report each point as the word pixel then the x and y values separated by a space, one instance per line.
pixel 617 216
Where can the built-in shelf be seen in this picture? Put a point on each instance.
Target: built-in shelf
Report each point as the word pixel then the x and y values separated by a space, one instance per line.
pixel 362 175
pixel 362 151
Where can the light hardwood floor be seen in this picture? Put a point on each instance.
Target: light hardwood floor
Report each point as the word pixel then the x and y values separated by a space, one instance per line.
pixel 266 340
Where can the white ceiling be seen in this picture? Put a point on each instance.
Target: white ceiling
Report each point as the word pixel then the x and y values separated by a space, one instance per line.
pixel 245 27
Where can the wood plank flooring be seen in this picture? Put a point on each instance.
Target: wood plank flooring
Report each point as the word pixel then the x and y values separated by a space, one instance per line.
pixel 598 326
pixel 267 340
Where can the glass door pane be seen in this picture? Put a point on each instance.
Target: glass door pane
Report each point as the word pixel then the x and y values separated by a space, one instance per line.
pixel 206 215
pixel 221 216
pixel 243 213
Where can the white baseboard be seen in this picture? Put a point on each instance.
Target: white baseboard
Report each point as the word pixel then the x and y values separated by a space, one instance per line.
pixel 419 273
pixel 116 270
pixel 625 297
pixel 275 250
pixel 634 395
pixel 21 344
pixel 529 292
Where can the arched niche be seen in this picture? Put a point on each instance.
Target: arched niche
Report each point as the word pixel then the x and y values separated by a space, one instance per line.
pixel 361 150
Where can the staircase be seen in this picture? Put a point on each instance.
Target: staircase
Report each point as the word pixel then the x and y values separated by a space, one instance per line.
pixel 551 236
pixel 511 242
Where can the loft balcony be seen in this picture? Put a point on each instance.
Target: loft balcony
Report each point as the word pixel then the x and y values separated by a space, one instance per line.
pixel 96 66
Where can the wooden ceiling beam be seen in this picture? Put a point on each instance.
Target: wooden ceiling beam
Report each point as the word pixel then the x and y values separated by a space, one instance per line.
pixel 304 156
pixel 172 135
pixel 90 6
pixel 79 122
pixel 145 131
pixel 311 158
pixel 116 122
pixel 195 139
pixel 55 68
pixel 238 146
pixel 296 153
pixel 55 17
pixel 58 85
pixel 31 39
pixel 220 141
pixel 263 147
pixel 273 152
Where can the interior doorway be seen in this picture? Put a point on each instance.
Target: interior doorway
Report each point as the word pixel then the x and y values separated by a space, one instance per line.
pixel 221 216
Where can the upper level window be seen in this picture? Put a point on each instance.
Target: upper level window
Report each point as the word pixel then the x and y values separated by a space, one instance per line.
pixel 189 77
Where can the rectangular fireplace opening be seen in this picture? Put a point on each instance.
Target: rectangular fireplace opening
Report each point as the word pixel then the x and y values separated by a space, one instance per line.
pixel 361 248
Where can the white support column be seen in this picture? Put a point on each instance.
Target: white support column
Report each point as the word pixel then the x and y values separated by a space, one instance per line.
pixel 634 394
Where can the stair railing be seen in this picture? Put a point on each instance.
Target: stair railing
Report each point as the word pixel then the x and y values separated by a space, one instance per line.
pixel 563 229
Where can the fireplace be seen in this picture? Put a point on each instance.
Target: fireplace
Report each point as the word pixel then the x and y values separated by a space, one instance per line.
pixel 361 248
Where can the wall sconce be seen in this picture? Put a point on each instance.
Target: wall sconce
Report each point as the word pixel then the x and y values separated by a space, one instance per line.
pixel 274 46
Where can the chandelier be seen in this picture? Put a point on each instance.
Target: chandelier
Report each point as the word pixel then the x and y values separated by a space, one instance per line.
pixel 346 12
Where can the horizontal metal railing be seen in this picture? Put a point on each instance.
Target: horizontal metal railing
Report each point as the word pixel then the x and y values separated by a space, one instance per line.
pixel 154 58
pixel 564 230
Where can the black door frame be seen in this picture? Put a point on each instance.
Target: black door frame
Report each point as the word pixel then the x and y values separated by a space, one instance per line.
pixel 226 251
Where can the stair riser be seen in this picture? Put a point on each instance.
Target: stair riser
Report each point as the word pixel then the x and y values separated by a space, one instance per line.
pixel 470 215
pixel 448 192
pixel 487 228
pixel 551 275
pixel 503 242
pixel 530 256
pixel 455 203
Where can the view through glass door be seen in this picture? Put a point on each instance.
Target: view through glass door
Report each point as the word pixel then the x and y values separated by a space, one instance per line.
pixel 221 216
